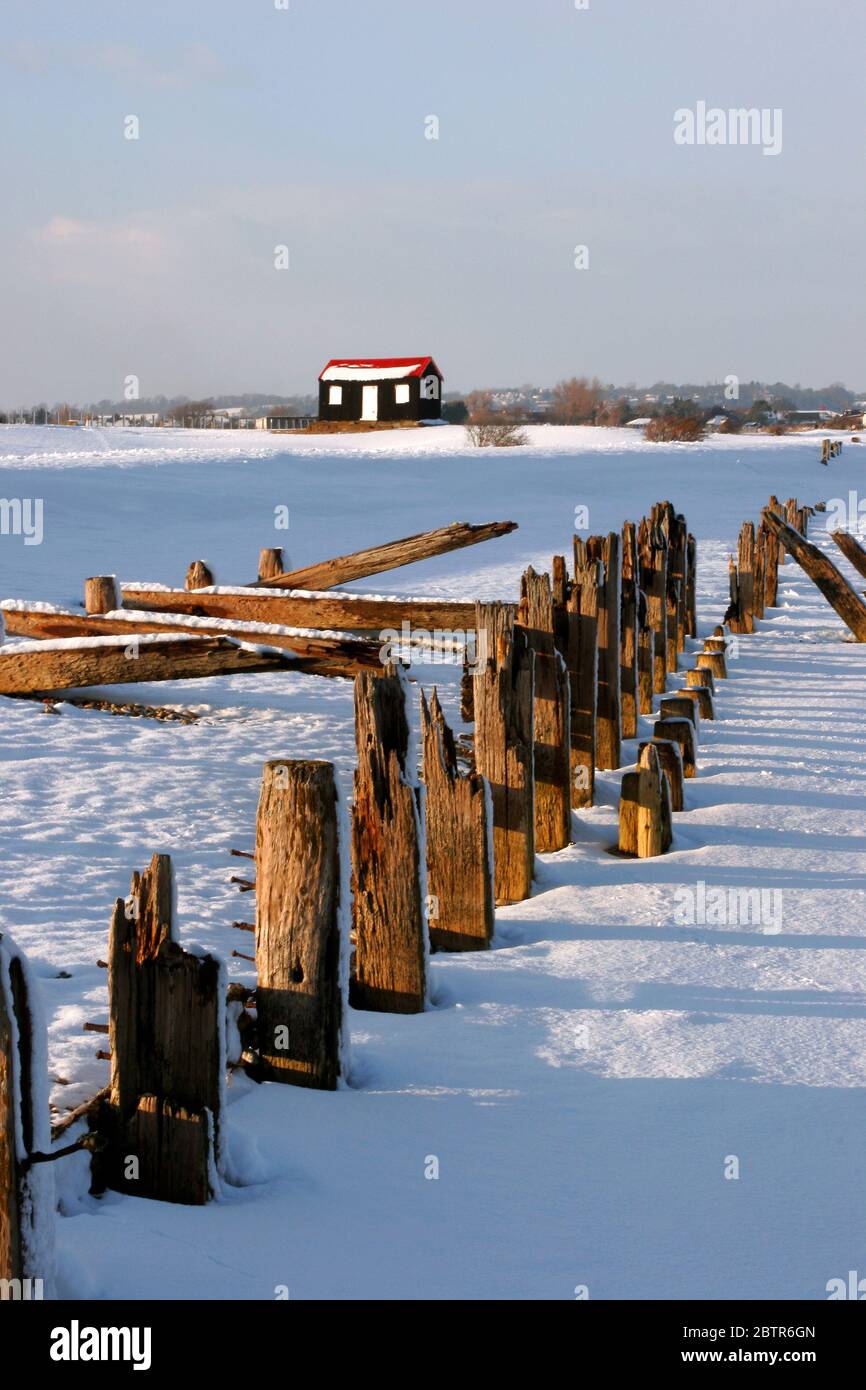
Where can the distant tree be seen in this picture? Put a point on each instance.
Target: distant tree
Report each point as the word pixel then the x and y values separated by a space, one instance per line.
pixel 191 409
pixel 613 413
pixel 497 433
pixel 576 400
pixel 455 412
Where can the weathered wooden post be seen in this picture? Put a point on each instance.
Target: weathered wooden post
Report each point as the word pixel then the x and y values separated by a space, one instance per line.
pixel 746 576
pixel 682 731
pixel 771 563
pixel 582 613
pixel 503 747
pixel 459 870
pixel 702 696
pixel 629 631
pixel 163 1120
pixel 679 706
pixel 389 972
pixel 824 574
pixel 760 575
pixel 298 997
pixel 714 662
pixel 654 582
pixel 608 731
pixel 271 562
pixel 100 594
pixel 671 763
pixel 198 576
pixel 26 1192
pixel 692 587
pixel 644 810
pixel 551 736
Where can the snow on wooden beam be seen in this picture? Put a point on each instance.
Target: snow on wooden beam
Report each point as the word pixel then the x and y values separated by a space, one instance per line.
pixel 318 655
pixel 342 612
pixel 69 664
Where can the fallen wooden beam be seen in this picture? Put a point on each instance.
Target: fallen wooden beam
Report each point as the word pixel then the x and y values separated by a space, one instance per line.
pixel 823 573
pixel 44 668
pixel 316 655
pixel 340 612
pixel 390 556
pixel 851 549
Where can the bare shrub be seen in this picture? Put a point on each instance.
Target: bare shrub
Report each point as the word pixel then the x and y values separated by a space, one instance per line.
pixel 677 429
pixel 499 434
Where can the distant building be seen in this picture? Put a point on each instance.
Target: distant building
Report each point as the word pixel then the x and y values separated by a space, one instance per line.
pixel 380 388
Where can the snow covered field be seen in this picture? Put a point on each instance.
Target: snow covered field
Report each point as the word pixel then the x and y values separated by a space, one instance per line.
pixel 586 1083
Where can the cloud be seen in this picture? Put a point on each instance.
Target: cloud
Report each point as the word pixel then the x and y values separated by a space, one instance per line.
pixel 188 66
pixel 70 249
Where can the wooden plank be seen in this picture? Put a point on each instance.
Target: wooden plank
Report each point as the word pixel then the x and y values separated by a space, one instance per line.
pixel 339 612
pixel 504 747
pixel 608 731
pixel 824 574
pixel 389 968
pixel 459 869
pixel 654 582
pixel 298 998
pixel 629 631
pixel 851 549
pixel 167 1028
pixel 47 669
pixel 315 656
pixel 582 659
pixel 328 574
pixel 551 730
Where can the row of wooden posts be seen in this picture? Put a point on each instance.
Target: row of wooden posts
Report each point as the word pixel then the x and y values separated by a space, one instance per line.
pixel 558 682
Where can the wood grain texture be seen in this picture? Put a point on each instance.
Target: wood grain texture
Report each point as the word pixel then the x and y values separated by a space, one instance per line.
pixel 824 575
pixel 389 967
pixel 629 631
pixel 338 612
pixel 503 700
pixel 329 574
pixel 582 603
pixel 459 870
pixel 608 732
pixel 551 728
pixel 298 1000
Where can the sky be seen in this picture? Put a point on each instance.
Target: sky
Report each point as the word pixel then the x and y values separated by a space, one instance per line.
pixel 429 170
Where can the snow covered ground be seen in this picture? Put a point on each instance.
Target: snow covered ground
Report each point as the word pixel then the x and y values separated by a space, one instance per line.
pixel 586 1084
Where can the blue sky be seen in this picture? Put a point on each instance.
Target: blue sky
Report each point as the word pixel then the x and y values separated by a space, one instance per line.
pixel 261 127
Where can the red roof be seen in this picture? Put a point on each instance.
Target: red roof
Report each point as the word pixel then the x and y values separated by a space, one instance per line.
pixel 417 365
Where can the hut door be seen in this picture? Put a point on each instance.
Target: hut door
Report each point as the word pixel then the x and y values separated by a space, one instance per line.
pixel 370 403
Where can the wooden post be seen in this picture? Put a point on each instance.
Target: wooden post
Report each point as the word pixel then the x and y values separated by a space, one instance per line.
pixel 644 809
pixel 271 562
pixel 714 662
pixel 680 707
pixel 459 871
pixel 746 577
pixel 198 576
pixel 824 574
pixel 100 594
pixel 608 723
pixel 26 1202
pixel 629 631
pixel 702 697
pixel 682 731
pixel 551 737
pixel 389 973
pixel 167 1030
pixel 654 582
pixel 851 549
pixel 691 587
pixel 760 575
pixel 298 999
pixel 582 605
pixel 671 762
pixel 771 565
pixel 699 676
pixel 503 748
